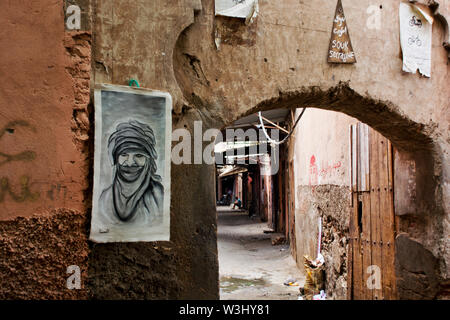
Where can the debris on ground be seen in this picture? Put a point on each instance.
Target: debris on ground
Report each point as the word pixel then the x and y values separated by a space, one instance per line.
pixel 268 231
pixel 278 239
pixel 314 270
pixel 321 296
pixel 291 282
pixel 243 243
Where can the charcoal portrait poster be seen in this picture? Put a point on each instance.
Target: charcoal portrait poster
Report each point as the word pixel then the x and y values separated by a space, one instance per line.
pixel 131 196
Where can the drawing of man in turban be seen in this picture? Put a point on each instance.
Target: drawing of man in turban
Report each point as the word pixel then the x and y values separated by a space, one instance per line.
pixel 136 193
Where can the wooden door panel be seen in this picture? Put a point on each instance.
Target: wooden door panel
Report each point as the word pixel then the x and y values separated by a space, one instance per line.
pixel 387 218
pixel 366 242
pixel 357 272
pixel 372 223
pixel 377 258
pixel 392 225
pixel 384 209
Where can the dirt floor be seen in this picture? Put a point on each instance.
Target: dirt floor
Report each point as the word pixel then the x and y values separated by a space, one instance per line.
pixel 250 267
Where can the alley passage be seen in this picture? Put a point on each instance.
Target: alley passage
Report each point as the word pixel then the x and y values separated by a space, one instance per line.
pixel 250 267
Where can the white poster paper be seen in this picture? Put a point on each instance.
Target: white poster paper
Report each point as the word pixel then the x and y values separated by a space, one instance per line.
pixel 245 9
pixel 131 196
pixel 415 39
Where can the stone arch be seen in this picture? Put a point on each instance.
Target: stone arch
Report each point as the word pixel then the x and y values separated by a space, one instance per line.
pixel 413 141
pixel 380 115
pixel 417 142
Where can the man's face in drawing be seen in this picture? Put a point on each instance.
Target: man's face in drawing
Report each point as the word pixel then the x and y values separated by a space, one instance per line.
pixel 132 158
pixel 131 164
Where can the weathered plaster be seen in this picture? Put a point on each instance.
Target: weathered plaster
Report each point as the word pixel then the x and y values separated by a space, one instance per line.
pixel 280 61
pixel 43 140
pixel 138 42
pixel 41 89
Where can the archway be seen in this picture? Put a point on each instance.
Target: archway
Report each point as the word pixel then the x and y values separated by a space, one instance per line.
pixel 418 194
pixel 419 204
pixel 414 184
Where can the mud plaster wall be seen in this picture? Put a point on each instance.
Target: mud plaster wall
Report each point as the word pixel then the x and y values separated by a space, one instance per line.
pixel 46 110
pixel 331 204
pixel 319 148
pixel 137 41
pixel 169 45
pixel 43 164
pixel 218 70
pixel 284 65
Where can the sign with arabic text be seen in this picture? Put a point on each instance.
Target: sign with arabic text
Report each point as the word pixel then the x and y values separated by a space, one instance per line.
pixel 340 49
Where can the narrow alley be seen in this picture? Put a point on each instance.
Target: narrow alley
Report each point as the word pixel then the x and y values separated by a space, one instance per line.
pixel 250 267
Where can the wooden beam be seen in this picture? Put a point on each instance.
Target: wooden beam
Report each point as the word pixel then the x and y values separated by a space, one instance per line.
pixel 274 124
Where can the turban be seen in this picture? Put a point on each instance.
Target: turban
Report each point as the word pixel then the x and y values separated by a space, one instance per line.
pixel 131 194
pixel 133 135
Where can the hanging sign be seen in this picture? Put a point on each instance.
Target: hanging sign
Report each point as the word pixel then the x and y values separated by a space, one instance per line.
pixel 340 49
pixel 415 39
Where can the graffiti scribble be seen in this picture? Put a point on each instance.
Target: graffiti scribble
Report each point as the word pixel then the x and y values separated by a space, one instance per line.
pixel 22 156
pixel 27 155
pixel 25 193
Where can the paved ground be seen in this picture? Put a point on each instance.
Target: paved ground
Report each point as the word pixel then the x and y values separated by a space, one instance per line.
pixel 249 266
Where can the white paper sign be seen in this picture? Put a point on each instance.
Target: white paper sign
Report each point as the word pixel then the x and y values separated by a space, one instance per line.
pixel 246 9
pixel 415 39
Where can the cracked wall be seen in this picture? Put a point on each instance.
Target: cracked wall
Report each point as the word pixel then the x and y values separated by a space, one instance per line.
pixel 187 266
pixel 283 67
pixel 44 99
pixel 322 191
pixel 279 61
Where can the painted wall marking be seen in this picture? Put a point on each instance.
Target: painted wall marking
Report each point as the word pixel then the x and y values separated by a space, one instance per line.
pixel 27 155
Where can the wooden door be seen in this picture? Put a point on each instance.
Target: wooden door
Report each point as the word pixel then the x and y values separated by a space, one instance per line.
pixel 371 272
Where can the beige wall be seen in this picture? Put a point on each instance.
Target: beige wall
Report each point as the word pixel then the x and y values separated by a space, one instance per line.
pixel 280 61
pixel 321 149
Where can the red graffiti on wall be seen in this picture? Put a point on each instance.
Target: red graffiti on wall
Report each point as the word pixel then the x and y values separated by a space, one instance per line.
pixel 325 169
pixel 313 172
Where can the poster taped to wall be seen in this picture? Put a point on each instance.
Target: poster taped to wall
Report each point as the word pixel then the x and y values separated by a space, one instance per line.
pixel 131 197
pixel 245 9
pixel 415 38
